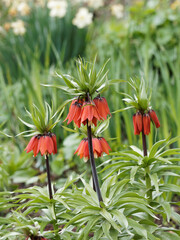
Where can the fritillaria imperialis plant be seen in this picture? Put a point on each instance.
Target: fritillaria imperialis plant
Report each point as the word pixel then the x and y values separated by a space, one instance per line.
pixel 144 113
pixel 100 146
pixel 88 108
pixel 43 140
pixel 143 117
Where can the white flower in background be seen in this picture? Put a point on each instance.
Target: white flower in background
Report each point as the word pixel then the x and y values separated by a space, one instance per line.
pixel 95 3
pixel 83 18
pixel 18 27
pixel 57 8
pixel 117 10
pixel 23 8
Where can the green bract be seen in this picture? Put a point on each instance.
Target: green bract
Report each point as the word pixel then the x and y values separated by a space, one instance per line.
pixel 43 120
pixel 86 81
pixel 141 100
pixel 96 131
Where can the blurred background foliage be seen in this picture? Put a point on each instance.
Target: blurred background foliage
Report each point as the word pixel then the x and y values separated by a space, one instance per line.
pixel 141 38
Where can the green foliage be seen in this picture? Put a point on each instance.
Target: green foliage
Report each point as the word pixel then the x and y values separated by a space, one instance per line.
pixel 15 167
pixel 43 119
pixel 143 44
pixel 123 214
pixel 154 176
pixel 140 101
pixel 48 40
pixel 87 80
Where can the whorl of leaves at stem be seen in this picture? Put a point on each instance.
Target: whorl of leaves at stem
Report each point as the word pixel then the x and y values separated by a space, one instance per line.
pixel 87 79
pixel 43 119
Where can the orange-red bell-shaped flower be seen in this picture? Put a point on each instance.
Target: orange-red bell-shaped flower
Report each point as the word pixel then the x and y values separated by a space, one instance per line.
pixel 154 118
pixel 146 124
pixel 99 146
pixel 138 123
pixel 45 144
pixel 75 112
pixel 136 130
pixel 102 107
pixel 143 122
pixel 90 113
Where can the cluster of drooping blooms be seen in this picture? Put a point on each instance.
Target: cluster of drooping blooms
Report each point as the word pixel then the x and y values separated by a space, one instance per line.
pixel 142 122
pixel 92 110
pixel 99 146
pixel 43 143
pixel 89 112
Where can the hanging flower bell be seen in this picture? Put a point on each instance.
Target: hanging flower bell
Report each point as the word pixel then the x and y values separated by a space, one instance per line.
pixel 154 118
pixel 45 144
pixel 90 113
pixel 102 107
pixel 100 145
pixel 75 111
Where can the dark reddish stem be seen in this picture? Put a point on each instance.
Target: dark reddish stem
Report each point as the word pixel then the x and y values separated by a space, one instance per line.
pixel 48 176
pixel 144 143
pixel 93 165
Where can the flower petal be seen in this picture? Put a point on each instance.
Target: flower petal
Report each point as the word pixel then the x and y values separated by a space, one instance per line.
pixel 146 124
pixel 154 117
pixel 55 143
pixel 136 130
pixel 96 145
pixel 36 144
pixel 139 121
pixel 105 146
pixel 30 145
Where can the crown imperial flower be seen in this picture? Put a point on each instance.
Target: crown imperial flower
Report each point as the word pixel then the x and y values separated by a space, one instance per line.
pixel 43 140
pixel 102 107
pixel 45 144
pixel 90 113
pixel 154 118
pixel 138 123
pixel 142 122
pixel 136 130
pixel 100 145
pixel 92 110
pixel 75 112
pixel 146 124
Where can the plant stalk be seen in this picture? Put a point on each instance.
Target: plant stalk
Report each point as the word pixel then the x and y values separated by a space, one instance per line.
pixel 51 197
pixel 147 178
pixel 144 143
pixel 48 176
pixel 93 166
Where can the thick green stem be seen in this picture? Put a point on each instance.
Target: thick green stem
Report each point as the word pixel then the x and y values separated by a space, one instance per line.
pixel 147 178
pixel 148 184
pixel 55 226
pixel 93 166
